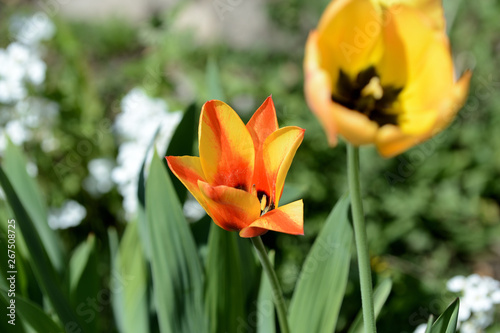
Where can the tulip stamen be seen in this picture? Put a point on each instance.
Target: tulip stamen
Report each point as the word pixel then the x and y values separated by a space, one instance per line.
pixel 366 94
pixel 266 204
pixel 263 202
pixel 373 88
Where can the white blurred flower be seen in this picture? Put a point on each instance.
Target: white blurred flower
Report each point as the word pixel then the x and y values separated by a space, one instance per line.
pixel 192 209
pixel 20 65
pixel 478 295
pixel 11 77
pixel 17 132
pixel 49 143
pixel 37 112
pixel 495 296
pixel 33 29
pixel 420 328
pixel 99 179
pixel 69 215
pixel 463 311
pixel 469 327
pixel 135 126
pixel 32 169
pixel 456 284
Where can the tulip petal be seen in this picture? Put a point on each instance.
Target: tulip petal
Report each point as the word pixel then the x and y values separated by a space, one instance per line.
pixel 231 209
pixel 432 9
pixel 279 150
pixel 318 88
pixel 349 36
pixel 188 170
pixel 226 148
pixel 260 126
pixel 354 126
pixel 392 141
pixel 455 102
pixel 288 219
pixel 263 122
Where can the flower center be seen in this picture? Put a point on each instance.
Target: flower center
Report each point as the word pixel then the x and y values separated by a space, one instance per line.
pixel 265 205
pixel 367 95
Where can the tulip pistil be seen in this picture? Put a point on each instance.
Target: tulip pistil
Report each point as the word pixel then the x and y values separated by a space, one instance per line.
pixel 367 95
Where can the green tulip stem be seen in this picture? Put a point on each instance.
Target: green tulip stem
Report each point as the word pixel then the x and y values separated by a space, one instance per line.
pixel 358 217
pixel 279 301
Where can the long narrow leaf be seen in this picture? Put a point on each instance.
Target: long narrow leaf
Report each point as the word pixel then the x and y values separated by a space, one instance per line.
pixel 41 264
pixel 380 295
pixel 321 286
pixel 447 322
pixel 130 299
pixel 225 299
pixel 32 314
pixel 265 304
pixel 176 268
pixel 29 195
pixel 84 283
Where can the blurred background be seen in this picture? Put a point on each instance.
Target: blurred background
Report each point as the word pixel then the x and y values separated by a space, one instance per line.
pixel 84 85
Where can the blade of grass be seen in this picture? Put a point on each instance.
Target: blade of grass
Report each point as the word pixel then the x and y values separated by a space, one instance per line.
pixel 14 165
pixel 321 286
pixel 41 264
pixel 380 295
pixel 176 268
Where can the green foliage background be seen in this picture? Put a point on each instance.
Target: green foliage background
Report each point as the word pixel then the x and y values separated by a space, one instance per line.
pixel 432 212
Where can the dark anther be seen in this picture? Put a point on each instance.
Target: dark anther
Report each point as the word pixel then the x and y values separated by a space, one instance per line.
pixel 241 187
pixel 349 93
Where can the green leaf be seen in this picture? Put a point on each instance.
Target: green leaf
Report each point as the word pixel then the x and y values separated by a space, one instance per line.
pixel 141 196
pixel 429 324
pixel 79 261
pixel 447 322
pixel 141 188
pixel 225 298
pixel 41 264
pixel 29 195
pixel 32 314
pixel 130 301
pixel 380 295
pixel 176 268
pixel 24 274
pixel 265 304
pixel 182 143
pixel 321 286
pixel 84 284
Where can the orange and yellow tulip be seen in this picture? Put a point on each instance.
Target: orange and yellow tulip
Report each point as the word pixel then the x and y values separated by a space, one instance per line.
pixel 238 178
pixel 380 72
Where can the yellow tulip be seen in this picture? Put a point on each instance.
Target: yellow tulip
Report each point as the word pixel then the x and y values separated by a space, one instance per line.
pixel 380 72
